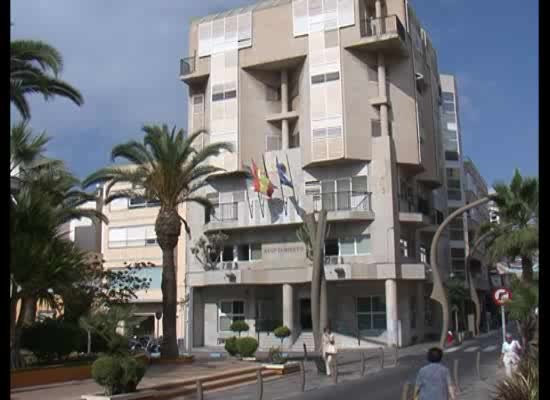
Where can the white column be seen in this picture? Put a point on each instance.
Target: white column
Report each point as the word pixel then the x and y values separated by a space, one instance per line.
pixel 384 124
pixel 288 306
pixel 391 311
pixel 284 107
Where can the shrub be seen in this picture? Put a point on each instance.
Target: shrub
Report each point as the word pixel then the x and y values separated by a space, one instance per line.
pixel 282 332
pixel 118 374
pixel 107 372
pixel 247 346
pixel 275 356
pixel 51 339
pixel 231 346
pixel 239 326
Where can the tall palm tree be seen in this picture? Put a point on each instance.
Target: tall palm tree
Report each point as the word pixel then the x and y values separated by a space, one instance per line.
pixel 34 69
pixel 518 205
pixel 166 168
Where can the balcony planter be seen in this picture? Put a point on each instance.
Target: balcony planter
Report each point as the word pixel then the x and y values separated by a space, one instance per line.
pixel 140 394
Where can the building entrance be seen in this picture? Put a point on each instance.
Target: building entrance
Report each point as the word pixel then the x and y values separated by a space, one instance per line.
pixel 305 314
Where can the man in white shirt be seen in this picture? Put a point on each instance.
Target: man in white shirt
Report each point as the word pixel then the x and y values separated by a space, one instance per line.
pixel 511 350
pixel 329 349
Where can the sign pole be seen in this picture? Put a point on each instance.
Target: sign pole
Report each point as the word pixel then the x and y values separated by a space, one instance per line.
pixel 503 324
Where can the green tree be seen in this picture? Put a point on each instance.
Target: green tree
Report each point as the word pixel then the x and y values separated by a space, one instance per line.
pixel 34 69
pixel 521 308
pixel 518 205
pixel 166 168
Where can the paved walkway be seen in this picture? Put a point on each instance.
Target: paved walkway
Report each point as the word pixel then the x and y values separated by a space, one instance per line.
pixel 155 375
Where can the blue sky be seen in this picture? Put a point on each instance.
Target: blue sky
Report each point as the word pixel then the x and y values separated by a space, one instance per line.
pixel 124 57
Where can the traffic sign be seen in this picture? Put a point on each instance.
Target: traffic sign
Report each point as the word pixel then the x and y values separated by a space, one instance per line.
pixel 501 296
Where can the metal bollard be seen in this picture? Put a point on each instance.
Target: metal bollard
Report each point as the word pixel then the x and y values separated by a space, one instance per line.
pixel 303 376
pixel 334 367
pixel 305 351
pixel 260 381
pixel 363 361
pixel 381 358
pixel 200 395
pixel 478 364
pixel 455 374
pixel 405 392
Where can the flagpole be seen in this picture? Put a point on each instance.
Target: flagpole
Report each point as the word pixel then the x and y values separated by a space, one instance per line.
pixel 280 183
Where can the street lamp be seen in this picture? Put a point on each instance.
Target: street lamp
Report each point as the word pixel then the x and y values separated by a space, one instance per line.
pixel 439 293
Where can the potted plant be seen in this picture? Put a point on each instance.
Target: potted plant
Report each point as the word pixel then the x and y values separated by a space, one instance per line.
pixel 239 326
pixel 246 347
pixel 116 370
pixel 282 332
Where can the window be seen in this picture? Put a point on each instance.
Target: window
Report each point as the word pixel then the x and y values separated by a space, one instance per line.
pixel 453 194
pixel 227 254
pixel 448 108
pixel 249 252
pixel 138 202
pixel 451 155
pixel 371 313
pixel 132 236
pixel 453 173
pixel 413 312
pixel 331 76
pixel 229 311
pixel 376 128
pixel 457 260
pixel 448 97
pixel 404 247
pixel 294 140
pixel 331 247
pixel 424 254
pixel 372 72
pixel 354 246
pixel 152 273
pixel 273 142
pixel 453 183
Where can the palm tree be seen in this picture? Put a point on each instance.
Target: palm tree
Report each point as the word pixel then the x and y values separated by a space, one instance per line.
pixel 166 168
pixel 34 68
pixel 518 205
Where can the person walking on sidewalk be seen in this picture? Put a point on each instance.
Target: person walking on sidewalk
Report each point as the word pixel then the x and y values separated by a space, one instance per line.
pixel 329 349
pixel 511 350
pixel 433 381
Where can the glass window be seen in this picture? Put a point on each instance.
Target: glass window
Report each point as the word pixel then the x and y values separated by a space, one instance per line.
pixel 228 312
pixel 363 244
pixel 317 79
pixel 347 247
pixel 256 251
pixel 404 247
pixel 453 173
pixel 217 96
pixel 454 194
pixel 231 94
pixel 371 313
pixel 152 273
pixel 448 96
pixel 332 76
pixel 331 247
pixel 448 108
pixel 451 156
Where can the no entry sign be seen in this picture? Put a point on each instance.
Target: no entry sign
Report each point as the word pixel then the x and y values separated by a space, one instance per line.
pixel 501 296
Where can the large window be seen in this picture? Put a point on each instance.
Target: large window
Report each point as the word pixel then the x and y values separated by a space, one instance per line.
pixel 249 252
pixel 448 97
pixel 348 246
pixel 371 313
pixel 152 273
pixel 132 236
pixel 457 260
pixel 228 312
pixel 138 202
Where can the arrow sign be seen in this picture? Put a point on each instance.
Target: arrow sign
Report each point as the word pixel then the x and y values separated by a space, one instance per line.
pixel 501 296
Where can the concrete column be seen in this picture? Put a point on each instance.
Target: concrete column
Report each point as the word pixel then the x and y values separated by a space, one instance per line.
pixel 391 311
pixel 288 306
pixel 384 123
pixel 378 8
pixel 284 107
pixel 189 322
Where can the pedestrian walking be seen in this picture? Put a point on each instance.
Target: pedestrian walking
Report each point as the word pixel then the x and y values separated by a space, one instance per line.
pixel 433 381
pixel 511 354
pixel 329 349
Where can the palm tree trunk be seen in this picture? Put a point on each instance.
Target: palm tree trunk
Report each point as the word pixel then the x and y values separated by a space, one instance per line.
pixel 28 310
pixel 168 228
pixel 323 301
pixel 527 269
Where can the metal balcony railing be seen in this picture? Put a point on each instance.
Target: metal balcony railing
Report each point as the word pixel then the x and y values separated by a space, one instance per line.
pixel 187 65
pixel 372 27
pixel 224 212
pixel 342 201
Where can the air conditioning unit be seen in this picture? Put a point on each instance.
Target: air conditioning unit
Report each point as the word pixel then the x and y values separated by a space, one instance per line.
pixel 333 260
pixel 228 265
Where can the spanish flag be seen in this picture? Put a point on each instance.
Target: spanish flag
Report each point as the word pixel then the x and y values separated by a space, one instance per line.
pixel 261 181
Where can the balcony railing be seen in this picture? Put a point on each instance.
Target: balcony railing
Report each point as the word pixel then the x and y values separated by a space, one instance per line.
pixel 411 205
pixel 224 212
pixel 343 201
pixel 187 65
pixel 373 27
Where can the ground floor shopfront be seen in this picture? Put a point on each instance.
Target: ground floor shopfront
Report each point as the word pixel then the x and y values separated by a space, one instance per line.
pixel 360 313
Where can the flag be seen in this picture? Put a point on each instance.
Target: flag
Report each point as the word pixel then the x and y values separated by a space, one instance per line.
pixel 283 177
pixel 261 181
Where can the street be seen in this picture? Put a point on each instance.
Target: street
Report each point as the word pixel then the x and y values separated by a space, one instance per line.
pixel 378 384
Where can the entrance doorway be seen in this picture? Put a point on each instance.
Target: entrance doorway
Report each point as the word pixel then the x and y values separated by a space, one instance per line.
pixel 305 314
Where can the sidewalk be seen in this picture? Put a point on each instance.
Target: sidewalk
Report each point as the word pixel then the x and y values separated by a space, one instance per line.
pixel 483 390
pixel 155 375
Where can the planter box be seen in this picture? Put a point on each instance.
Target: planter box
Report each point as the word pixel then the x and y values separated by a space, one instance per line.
pixel 248 358
pixel 282 369
pixel 49 375
pixel 141 395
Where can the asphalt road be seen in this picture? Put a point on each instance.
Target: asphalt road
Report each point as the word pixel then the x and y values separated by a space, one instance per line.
pixel 388 383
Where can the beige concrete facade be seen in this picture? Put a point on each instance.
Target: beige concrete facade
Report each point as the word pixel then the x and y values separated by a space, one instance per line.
pixel 130 238
pixel 348 100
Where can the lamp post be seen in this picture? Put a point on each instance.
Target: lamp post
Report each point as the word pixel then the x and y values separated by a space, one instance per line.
pixel 439 293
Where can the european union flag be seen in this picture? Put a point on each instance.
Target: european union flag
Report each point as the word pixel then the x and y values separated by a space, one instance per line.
pixel 283 177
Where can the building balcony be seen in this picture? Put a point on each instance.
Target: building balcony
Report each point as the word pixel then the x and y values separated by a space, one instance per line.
pixel 345 205
pixel 191 72
pixel 385 34
pixel 417 213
